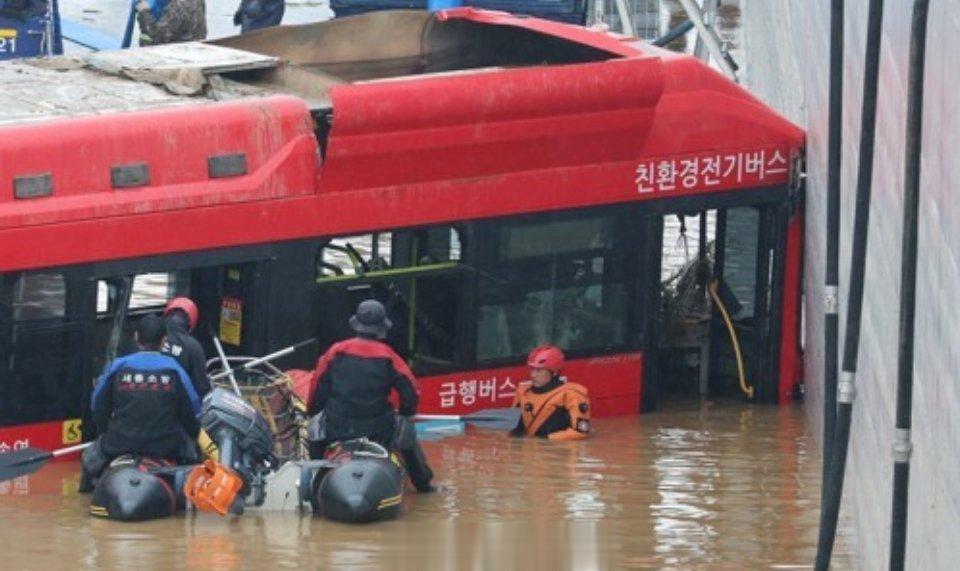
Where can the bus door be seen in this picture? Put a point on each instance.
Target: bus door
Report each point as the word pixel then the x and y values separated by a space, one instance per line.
pixel 419 277
pixel 721 302
pixel 226 294
pixel 747 304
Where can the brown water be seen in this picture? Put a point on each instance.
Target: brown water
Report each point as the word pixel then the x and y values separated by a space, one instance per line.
pixel 722 486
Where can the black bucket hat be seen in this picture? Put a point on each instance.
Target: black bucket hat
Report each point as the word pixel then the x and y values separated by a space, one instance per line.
pixel 371 318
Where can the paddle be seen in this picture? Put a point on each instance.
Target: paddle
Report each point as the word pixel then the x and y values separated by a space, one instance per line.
pixel 261 360
pixel 491 418
pixel 28 460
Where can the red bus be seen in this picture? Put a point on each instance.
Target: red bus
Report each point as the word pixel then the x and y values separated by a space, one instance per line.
pixel 496 181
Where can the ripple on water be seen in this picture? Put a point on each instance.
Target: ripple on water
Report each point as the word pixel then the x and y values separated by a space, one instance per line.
pixel 714 487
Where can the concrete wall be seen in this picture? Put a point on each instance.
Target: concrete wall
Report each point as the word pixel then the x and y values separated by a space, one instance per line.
pixel 786 50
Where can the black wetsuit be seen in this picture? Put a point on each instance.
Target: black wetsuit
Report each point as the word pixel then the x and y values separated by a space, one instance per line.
pixel 188 352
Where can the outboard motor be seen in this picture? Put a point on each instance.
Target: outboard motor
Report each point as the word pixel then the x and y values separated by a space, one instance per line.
pixel 366 486
pixel 246 454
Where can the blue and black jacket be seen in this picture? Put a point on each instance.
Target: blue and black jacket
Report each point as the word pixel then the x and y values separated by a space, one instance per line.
pixel 145 403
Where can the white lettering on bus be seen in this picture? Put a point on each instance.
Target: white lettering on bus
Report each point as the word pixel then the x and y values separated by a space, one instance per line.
pixel 688 173
pixel 471 391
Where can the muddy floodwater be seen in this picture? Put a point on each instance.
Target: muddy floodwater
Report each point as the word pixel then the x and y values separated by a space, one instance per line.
pixel 712 486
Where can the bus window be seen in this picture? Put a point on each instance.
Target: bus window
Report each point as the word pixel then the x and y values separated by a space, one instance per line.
pixel 556 282
pixel 353 256
pixel 35 297
pixel 41 347
pixel 416 274
pixel 150 291
pixel 742 239
pixel 555 238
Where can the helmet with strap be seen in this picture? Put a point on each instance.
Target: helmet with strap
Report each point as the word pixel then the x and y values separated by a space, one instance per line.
pixel 546 357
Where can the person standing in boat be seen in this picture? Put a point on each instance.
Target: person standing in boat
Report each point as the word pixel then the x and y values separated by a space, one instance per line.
pixel 550 407
pixel 255 14
pixel 181 316
pixel 352 384
pixel 143 404
pixel 170 21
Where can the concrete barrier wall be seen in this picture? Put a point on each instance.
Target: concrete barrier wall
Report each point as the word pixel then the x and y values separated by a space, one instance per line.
pixel 786 47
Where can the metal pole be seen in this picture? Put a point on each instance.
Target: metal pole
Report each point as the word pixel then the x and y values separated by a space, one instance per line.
pixel 846 389
pixel 902 444
pixel 226 365
pixel 709 37
pixel 831 362
pixel 599 11
pixel 122 302
pixel 626 21
pixel 709 17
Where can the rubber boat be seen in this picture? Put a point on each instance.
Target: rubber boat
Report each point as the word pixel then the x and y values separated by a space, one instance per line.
pixel 359 481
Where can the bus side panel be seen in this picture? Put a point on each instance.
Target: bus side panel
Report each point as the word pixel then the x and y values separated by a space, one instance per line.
pixel 791 357
pixel 117 165
pixel 44 435
pixel 613 382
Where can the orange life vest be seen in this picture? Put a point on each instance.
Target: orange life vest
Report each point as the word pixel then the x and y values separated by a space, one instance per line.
pixel 560 413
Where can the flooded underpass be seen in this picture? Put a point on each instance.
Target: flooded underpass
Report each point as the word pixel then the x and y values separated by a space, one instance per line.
pixel 711 485
pixel 698 486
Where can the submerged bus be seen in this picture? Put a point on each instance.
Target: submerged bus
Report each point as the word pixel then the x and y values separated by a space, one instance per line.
pixel 497 182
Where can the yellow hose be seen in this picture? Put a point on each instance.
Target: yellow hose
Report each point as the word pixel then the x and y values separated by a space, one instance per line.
pixel 733 338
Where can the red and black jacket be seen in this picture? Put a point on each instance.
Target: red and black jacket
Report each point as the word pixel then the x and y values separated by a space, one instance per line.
pixel 354 379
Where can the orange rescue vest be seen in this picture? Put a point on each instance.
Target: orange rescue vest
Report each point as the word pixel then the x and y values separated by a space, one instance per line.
pixel 537 408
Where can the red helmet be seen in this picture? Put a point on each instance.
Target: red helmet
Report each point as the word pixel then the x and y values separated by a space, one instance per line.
pixel 546 357
pixel 185 305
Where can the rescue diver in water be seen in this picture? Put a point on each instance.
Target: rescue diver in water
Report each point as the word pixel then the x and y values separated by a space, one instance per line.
pixel 352 385
pixel 143 404
pixel 550 407
pixel 181 316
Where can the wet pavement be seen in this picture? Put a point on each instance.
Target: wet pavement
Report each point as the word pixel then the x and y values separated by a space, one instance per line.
pixel 713 486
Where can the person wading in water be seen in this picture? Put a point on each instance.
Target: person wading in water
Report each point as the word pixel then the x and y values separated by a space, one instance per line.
pixel 550 407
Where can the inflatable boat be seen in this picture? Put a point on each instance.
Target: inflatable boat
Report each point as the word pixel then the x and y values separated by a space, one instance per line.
pixel 358 481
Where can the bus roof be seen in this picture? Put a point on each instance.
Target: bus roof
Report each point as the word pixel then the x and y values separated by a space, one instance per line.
pixel 385 120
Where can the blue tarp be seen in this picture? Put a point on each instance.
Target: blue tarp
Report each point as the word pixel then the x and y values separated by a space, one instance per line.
pixel 570 11
pixel 88 37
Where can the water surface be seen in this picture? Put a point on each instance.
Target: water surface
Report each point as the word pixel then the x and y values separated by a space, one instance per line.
pixel 712 486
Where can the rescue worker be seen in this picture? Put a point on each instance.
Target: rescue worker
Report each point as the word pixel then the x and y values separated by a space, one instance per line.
pixel 352 385
pixel 169 21
pixel 181 316
pixel 143 404
pixel 550 407
pixel 255 14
